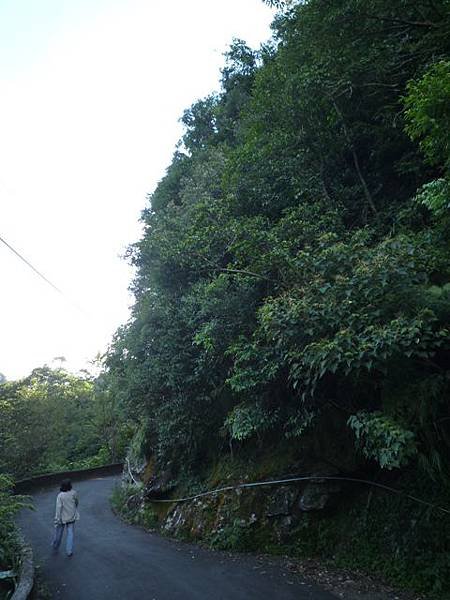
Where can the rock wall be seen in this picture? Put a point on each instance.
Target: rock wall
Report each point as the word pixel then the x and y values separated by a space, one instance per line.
pixel 276 510
pixel 273 512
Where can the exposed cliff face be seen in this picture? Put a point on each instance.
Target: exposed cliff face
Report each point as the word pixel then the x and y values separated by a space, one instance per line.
pixel 243 514
pixel 243 517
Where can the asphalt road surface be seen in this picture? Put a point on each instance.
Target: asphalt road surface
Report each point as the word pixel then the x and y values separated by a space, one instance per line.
pixel 116 561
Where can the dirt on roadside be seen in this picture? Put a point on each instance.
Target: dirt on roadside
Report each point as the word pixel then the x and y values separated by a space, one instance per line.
pixel 347 584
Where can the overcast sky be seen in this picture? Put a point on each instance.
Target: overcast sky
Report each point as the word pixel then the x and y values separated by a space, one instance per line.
pixel 90 96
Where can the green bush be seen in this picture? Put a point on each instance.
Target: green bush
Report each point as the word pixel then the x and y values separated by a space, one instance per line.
pixel 393 537
pixel 236 536
pixel 9 507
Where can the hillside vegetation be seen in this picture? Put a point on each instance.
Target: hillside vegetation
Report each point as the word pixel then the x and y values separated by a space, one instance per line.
pixel 295 265
pixel 296 254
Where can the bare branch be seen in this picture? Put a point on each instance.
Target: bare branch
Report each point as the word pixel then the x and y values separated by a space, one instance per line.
pixel 355 160
pixel 244 272
pixel 425 23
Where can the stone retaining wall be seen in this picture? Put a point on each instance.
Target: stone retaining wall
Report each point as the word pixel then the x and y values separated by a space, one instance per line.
pixel 24 486
pixel 26 578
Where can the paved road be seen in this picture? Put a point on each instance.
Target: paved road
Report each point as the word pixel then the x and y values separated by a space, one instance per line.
pixel 115 561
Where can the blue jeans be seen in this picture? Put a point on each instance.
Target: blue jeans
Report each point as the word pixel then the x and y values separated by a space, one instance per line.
pixel 59 530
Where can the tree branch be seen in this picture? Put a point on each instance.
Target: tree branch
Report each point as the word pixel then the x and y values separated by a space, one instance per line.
pixel 233 271
pixel 425 23
pixel 244 272
pixel 378 84
pixel 356 160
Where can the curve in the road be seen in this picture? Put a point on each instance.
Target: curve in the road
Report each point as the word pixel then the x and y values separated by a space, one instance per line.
pixel 116 561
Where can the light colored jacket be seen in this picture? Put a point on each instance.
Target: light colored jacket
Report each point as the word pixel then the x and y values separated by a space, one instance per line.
pixel 66 507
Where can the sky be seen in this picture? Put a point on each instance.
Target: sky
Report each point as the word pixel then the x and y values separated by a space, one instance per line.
pixel 91 92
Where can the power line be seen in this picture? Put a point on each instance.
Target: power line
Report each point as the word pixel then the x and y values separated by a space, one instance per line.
pixel 39 274
pixel 311 478
pixel 31 266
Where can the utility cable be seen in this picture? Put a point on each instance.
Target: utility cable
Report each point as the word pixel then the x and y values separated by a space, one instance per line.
pixel 30 265
pixel 52 285
pixel 312 478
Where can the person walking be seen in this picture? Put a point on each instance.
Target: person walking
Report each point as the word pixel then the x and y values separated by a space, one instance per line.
pixel 65 516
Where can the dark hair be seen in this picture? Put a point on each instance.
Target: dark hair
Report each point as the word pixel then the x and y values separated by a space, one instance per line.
pixel 66 485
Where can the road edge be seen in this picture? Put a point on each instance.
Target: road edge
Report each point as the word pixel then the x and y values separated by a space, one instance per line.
pixel 26 578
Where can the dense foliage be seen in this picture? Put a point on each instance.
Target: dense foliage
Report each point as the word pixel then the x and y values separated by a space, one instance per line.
pixel 9 506
pixel 53 420
pixel 296 254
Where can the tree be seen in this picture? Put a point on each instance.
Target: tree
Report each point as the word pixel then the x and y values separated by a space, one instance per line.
pixel 428 121
pixel 286 267
pixel 52 420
